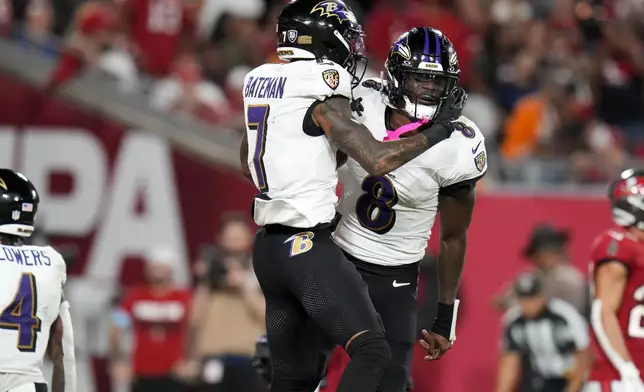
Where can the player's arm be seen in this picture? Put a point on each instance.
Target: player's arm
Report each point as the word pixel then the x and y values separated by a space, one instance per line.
pixel 335 117
pixel 69 355
pixel 455 204
pixel 610 283
pixel 243 157
pixel 55 353
pixel 456 209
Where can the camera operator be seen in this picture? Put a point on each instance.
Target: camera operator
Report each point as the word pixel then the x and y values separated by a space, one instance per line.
pixel 227 315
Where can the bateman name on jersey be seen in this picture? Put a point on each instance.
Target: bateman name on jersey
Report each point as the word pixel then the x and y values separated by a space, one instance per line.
pixel 265 87
pixel 24 256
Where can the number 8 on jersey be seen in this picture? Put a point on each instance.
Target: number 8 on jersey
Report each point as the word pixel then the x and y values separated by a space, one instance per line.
pixel 374 208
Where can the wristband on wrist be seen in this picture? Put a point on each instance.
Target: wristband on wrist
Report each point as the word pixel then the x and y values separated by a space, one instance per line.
pixel 445 320
pixel 437 132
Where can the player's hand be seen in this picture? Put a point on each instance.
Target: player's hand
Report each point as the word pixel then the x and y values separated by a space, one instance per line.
pixel 453 106
pixel 435 344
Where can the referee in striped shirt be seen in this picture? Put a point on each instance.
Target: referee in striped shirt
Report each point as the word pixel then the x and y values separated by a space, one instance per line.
pixel 544 343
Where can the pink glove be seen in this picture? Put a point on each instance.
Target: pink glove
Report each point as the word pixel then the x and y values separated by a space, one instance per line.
pixel 395 134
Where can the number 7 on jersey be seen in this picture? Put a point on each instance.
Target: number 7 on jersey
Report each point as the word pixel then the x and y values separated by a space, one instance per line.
pixel 257 120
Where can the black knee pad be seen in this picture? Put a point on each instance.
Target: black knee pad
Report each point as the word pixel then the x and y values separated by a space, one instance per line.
pixel 371 347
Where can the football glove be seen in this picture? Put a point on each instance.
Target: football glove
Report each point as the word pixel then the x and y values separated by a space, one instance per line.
pixel 452 108
pixel 630 377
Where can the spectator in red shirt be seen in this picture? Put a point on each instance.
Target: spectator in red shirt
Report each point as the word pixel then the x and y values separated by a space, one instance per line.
pixel 158 30
pixel 94 30
pixel 156 314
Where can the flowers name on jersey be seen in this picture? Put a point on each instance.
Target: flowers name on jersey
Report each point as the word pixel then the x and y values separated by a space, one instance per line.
pixel 480 161
pixel 331 78
pixel 333 8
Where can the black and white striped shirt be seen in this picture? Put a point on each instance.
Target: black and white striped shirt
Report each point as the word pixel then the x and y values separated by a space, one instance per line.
pixel 549 341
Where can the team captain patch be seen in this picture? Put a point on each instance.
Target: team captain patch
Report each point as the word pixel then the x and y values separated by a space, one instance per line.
pixel 480 161
pixel 331 78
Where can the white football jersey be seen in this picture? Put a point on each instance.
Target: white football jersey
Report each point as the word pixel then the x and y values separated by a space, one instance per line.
pixel 31 289
pixel 387 220
pixel 295 171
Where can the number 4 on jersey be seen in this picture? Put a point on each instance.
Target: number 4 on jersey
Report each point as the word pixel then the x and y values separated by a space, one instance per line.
pixel 20 314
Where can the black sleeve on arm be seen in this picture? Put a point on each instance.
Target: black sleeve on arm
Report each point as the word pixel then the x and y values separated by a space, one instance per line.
pixel 308 125
pixel 460 186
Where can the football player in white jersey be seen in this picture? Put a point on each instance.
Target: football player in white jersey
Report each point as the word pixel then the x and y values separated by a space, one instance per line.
pixel 34 317
pixel 387 219
pixel 298 114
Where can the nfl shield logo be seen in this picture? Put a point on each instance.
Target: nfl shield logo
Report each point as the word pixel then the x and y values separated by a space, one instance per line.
pixel 291 35
pixel 480 161
pixel 331 78
pixel 15 215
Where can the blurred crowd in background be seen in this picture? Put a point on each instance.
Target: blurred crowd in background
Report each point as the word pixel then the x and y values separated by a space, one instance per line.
pixel 556 85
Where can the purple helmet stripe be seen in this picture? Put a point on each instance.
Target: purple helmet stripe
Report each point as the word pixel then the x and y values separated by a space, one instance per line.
pixel 438 48
pixel 425 56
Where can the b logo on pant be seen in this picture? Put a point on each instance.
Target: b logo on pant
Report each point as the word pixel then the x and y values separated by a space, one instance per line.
pixel 300 243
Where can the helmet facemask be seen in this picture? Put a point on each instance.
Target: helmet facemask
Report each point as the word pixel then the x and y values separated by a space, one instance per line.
pixel 353 41
pixel 419 93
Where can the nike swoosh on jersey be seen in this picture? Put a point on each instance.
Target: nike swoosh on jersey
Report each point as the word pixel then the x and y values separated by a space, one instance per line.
pixel 475 149
pixel 396 284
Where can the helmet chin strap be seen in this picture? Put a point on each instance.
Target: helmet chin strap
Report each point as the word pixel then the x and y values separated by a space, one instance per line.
pixel 418 111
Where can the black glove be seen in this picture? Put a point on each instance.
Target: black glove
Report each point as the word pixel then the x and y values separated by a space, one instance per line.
pixel 442 127
pixel 436 132
pixel 262 360
pixel 452 107
pixel 356 106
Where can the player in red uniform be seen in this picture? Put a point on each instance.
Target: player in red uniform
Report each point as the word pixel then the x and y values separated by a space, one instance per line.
pixel 617 316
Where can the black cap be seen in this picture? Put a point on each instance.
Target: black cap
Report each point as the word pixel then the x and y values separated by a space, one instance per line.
pixel 545 236
pixel 528 285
